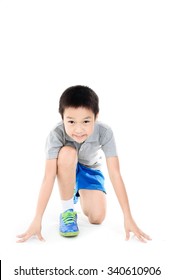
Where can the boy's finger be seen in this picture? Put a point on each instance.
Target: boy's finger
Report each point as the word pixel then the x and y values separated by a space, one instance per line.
pixel 140 238
pixel 146 236
pixel 127 235
pixel 20 235
pixel 23 239
pixel 40 237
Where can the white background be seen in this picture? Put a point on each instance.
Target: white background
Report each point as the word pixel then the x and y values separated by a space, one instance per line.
pixel 123 50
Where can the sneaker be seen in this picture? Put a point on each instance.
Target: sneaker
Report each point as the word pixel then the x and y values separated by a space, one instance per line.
pixel 68 223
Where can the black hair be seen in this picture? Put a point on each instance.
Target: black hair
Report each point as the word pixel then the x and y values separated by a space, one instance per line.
pixel 79 96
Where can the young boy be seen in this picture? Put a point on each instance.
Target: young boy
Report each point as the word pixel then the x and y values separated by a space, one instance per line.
pixel 73 156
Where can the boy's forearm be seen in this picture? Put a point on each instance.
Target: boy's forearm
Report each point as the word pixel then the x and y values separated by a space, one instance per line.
pixel 118 184
pixel 121 194
pixel 44 195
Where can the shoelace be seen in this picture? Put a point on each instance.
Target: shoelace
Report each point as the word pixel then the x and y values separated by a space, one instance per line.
pixel 69 217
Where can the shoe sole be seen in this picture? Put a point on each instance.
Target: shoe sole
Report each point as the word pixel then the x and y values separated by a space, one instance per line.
pixel 69 234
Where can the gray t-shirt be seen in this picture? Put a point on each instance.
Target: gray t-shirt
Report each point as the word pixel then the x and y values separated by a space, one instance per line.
pixel 89 152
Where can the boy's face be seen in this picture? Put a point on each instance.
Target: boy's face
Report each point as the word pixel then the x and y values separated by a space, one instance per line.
pixel 79 123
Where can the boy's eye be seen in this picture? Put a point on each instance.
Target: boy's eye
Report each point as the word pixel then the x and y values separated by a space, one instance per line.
pixel 87 121
pixel 71 122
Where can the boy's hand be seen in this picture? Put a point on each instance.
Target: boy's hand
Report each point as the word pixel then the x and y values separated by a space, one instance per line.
pixel 130 226
pixel 34 229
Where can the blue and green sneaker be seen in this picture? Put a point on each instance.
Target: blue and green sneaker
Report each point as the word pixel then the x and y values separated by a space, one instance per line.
pixel 68 223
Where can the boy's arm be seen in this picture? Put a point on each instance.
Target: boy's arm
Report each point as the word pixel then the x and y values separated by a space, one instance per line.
pixel 120 190
pixel 44 195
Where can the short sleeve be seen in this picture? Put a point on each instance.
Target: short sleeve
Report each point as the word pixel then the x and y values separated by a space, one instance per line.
pixel 108 144
pixel 53 144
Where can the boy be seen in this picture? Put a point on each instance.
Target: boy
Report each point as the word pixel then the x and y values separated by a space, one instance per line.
pixel 72 151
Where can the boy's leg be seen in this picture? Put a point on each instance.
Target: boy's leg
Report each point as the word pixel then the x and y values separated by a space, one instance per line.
pixel 66 175
pixel 93 203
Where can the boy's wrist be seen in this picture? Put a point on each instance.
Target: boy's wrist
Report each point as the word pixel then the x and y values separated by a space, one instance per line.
pixel 38 218
pixel 127 215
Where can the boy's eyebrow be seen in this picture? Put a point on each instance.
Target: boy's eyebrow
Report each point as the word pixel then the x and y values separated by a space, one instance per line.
pixel 88 117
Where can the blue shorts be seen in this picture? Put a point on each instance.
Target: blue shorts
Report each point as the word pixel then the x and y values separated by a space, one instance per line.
pixel 88 179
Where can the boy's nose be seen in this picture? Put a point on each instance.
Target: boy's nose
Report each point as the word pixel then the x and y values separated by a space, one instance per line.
pixel 78 128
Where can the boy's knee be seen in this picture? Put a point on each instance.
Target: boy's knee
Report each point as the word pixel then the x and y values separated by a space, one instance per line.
pixel 96 219
pixel 67 156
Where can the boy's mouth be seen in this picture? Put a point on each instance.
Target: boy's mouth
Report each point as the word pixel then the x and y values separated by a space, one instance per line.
pixel 79 138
